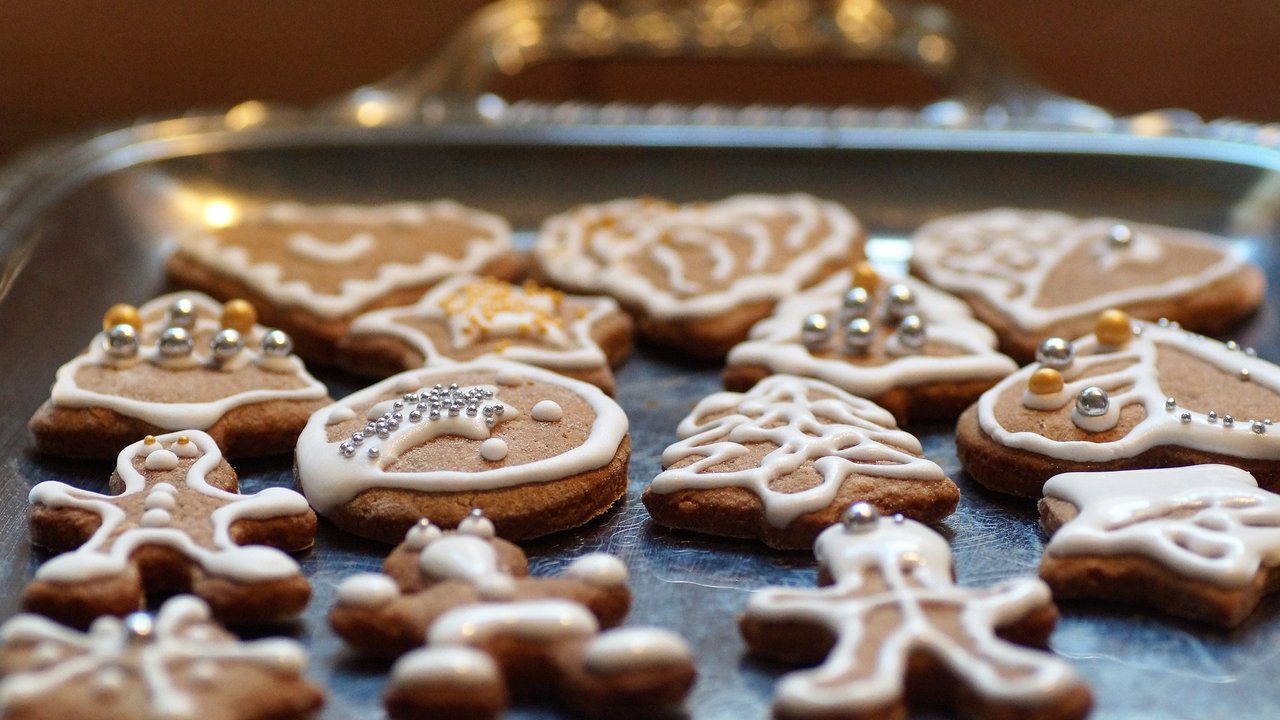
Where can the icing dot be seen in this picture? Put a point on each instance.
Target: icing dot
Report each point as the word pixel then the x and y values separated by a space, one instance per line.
pixel 367 590
pixel 493 449
pixel 510 378
pixel 156 517
pixel 159 501
pixel 496 587
pixel 108 680
pixel 161 460
pixel 476 524
pixel 406 383
pixel 453 664
pixel 626 649
pixel 340 414
pixel 204 672
pixel 184 448
pixel 547 411
pixel 601 569
pixel 422 533
pixel 164 487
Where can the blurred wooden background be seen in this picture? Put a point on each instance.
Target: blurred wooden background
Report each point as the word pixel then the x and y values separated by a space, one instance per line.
pixel 84 63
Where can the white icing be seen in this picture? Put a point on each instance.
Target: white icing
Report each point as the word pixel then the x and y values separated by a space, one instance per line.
pixel 340 415
pixel 159 500
pixel 309 247
pixel 496 587
pixel 600 569
pixel 1096 423
pixel 367 590
pixel 597 247
pixel 179 414
pixel 970 253
pixel 1044 401
pixel 161 460
pixel 183 450
pixel 534 620
pixel 509 377
pixel 452 665
pixel 420 534
pixel 329 480
pixel 775 343
pixel 477 524
pixel 915 564
pixel 547 411
pixel 107 659
pixel 286 286
pixel 204 672
pixel 493 449
pixel 470 308
pixel 841 435
pixel 1206 522
pixel 628 649
pixel 458 557
pixel 108 550
pixel 1139 384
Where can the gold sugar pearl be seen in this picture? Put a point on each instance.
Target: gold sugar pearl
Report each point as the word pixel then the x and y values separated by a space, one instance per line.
pixel 121 314
pixel 149 440
pixel 183 439
pixel 865 276
pixel 1113 327
pixel 239 315
pixel 1045 381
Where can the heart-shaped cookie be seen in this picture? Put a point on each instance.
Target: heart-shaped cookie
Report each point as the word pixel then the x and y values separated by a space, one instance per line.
pixel 1032 274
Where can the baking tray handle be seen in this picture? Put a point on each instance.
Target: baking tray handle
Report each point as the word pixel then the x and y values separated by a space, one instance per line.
pixel 977 77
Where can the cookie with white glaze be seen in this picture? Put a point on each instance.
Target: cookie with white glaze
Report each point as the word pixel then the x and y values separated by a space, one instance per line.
pixel 174 522
pixel 180 361
pixel 696 276
pixel 310 269
pixel 493 634
pixel 174 664
pixel 1035 274
pixel 469 317
pixel 782 461
pixel 1200 542
pixel 888 630
pixel 538 452
pixel 909 348
pixel 1132 395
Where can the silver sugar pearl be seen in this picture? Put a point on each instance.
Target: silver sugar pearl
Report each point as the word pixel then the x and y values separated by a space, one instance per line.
pixel 1093 401
pixel 374 453
pixel 859 336
pixel 1244 375
pixel 175 342
pixel 1250 352
pixel 815 331
pixel 1170 403
pixel 1213 416
pixel 1055 352
pixel 1228 421
pixel 410 398
pixel 347 449
pixel 1119 236
pixel 415 415
pixel 182 313
pixel 277 343
pixel 899 303
pixel 860 517
pixel 1185 417
pixel 1259 427
pixel 140 626
pixel 857 304
pixel 121 341
pixel 384 433
pixel 226 344
pixel 1233 345
pixel 357 438
pixel 911 332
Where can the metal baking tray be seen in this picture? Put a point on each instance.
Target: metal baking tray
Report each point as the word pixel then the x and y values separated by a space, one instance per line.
pixel 83 224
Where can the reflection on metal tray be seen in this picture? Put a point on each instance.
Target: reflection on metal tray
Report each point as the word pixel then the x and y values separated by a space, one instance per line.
pixel 83 225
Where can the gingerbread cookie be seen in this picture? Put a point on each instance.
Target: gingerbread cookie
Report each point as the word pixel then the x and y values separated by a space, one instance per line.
pixel 175 523
pixel 310 269
pixel 180 361
pixel 493 633
pixel 536 451
pixel 907 347
pixel 469 317
pixel 177 664
pixel 890 628
pixel 696 277
pixel 1200 542
pixel 1035 274
pixel 1134 395
pixel 782 462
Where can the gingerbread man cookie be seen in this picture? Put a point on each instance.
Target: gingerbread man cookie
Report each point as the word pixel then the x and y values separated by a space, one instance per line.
pixel 890 628
pixel 493 633
pixel 1035 274
pixel 782 462
pixel 697 276
pixel 1133 395
pixel 907 347
pixel 537 451
pixel 310 269
pixel 468 317
pixel 180 361
pixel 174 524
pixel 176 664
pixel 1200 542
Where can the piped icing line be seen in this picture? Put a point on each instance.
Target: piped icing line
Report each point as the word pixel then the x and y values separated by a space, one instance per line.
pixel 310 247
pixel 67 392
pixel 1005 256
pixel 840 434
pixel 183 637
pixel 329 480
pixel 460 303
pixel 108 550
pixel 775 342
pixel 598 247
pixel 915 564
pixel 535 620
pixel 1207 522
pixel 1162 425
pixel 492 239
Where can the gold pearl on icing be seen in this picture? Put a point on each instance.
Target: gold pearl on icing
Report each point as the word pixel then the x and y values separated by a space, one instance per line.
pixel 239 315
pixel 1113 327
pixel 121 314
pixel 865 276
pixel 1045 381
